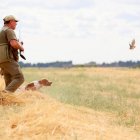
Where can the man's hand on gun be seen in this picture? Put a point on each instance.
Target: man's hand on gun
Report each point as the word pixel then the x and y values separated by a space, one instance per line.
pixel 21 50
pixel 21 46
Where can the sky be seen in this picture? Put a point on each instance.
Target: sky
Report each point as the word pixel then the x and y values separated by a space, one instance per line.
pixel 78 30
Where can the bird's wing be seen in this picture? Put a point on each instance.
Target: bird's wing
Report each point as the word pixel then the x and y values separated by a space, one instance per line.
pixel 133 42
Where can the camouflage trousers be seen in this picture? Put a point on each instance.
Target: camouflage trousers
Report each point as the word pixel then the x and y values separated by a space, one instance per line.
pixel 12 75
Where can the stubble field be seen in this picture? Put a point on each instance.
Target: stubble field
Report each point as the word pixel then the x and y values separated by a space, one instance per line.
pixel 81 104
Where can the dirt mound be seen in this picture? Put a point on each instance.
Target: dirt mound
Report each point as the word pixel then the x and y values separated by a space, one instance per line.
pixel 39 116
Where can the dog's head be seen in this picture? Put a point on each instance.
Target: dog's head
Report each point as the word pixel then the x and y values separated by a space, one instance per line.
pixel 44 82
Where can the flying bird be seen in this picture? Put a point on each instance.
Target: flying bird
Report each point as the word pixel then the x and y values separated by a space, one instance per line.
pixel 132 45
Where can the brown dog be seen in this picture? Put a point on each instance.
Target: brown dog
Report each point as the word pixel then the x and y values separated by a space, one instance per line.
pixel 35 85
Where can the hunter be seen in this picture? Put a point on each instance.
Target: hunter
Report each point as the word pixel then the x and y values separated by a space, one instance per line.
pixel 9 46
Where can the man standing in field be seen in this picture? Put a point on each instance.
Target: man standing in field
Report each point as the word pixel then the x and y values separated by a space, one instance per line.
pixel 9 46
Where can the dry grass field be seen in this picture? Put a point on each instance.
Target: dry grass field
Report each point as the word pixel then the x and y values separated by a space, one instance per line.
pixel 81 104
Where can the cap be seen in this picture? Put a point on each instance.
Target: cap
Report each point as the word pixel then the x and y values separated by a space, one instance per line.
pixel 10 17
